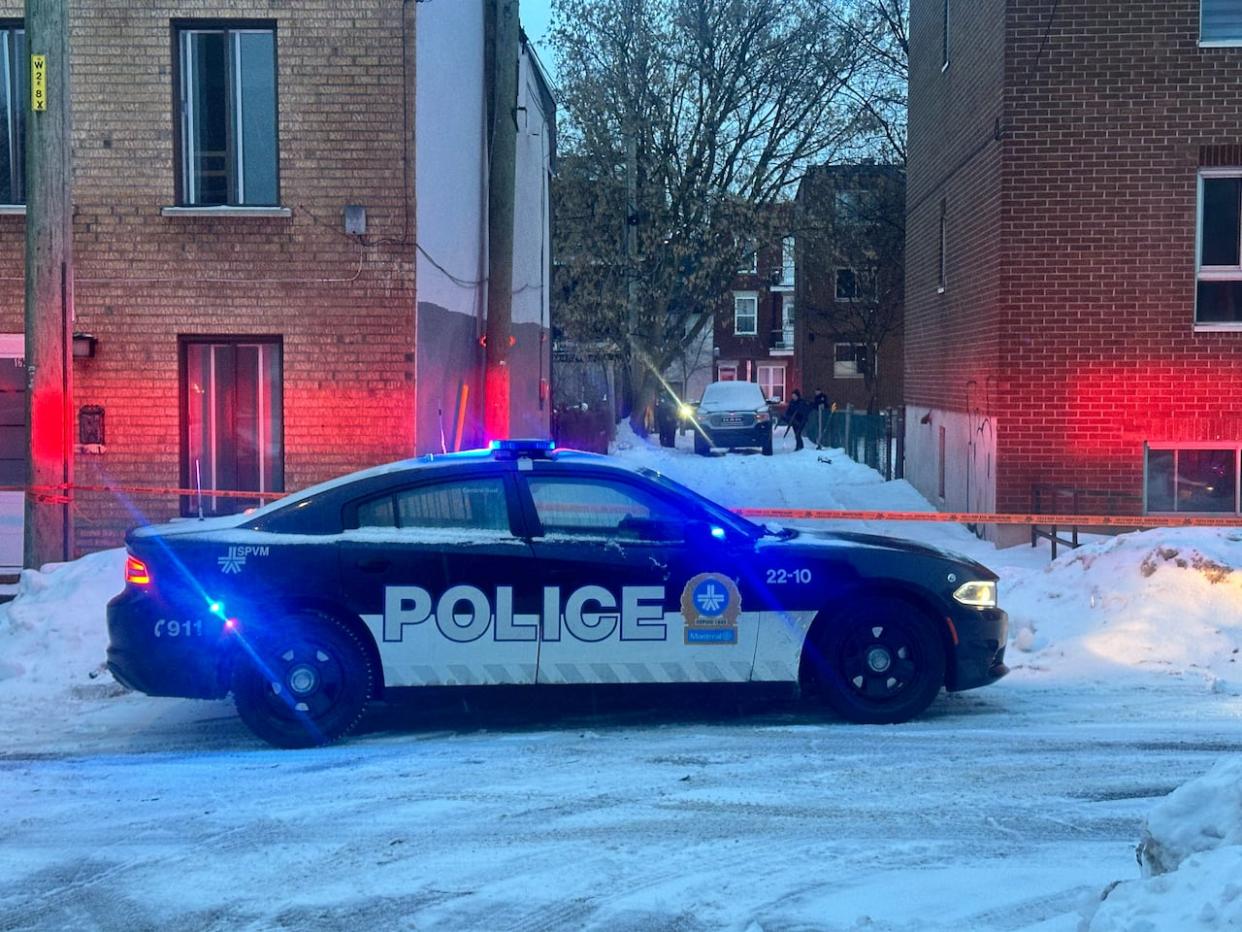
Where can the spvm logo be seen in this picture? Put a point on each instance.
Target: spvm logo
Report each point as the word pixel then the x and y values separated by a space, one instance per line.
pixel 235 559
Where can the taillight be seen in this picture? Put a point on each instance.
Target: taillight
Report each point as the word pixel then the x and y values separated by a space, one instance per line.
pixel 136 572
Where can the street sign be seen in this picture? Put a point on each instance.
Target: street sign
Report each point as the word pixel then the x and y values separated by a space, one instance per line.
pixel 38 82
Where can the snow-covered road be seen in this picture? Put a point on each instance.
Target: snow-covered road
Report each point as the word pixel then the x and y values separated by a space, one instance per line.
pixel 1006 808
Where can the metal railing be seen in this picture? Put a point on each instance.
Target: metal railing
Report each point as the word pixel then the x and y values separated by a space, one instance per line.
pixel 1064 500
pixel 876 440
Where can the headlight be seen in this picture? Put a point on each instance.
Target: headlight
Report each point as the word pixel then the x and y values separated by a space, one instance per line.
pixel 686 411
pixel 761 416
pixel 977 594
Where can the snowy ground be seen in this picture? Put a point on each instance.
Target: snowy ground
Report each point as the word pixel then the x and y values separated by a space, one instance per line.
pixel 1006 808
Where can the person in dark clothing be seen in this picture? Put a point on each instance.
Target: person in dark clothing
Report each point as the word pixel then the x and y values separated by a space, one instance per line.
pixel 820 404
pixel 796 414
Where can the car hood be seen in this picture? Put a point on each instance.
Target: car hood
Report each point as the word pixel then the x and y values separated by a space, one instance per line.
pixel 812 539
pixel 708 407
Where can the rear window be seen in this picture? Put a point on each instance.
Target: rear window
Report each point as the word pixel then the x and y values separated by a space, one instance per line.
pixel 739 394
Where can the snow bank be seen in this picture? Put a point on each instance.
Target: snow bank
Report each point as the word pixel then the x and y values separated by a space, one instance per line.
pixel 1191 856
pixel 1163 602
pixel 53 635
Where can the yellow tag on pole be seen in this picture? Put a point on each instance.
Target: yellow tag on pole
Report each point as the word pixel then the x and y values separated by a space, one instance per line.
pixel 38 82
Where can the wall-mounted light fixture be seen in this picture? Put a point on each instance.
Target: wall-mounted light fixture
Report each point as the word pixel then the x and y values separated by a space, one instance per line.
pixel 84 345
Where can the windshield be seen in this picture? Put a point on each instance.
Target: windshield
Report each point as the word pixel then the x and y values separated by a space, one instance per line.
pixel 734 394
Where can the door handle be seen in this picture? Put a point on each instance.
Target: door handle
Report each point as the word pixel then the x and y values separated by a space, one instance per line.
pixel 373 566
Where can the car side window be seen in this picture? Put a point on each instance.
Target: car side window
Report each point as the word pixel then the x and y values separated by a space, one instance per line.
pixel 468 504
pixel 599 508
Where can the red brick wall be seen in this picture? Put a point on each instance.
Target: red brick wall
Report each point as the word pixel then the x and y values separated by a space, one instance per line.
pixel 1070 300
pixel 345 312
pixel 952 337
pixel 1105 120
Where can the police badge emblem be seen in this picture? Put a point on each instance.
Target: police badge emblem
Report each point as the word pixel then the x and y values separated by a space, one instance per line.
pixel 710 604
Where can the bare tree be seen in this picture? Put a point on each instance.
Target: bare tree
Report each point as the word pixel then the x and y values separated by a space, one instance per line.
pixel 685 120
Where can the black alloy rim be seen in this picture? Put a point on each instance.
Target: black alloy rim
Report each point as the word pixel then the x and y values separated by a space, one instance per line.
pixel 878 661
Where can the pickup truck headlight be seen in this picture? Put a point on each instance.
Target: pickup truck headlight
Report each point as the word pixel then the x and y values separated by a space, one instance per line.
pixel 761 416
pixel 977 594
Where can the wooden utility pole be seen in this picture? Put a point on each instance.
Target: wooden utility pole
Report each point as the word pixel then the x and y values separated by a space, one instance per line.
pixel 49 285
pixel 502 75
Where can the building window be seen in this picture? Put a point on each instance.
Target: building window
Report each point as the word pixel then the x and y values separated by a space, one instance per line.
pixel 1193 477
pixel 849 360
pixel 772 382
pixel 788 261
pixel 1218 298
pixel 1220 22
pixel 233 436
pixel 726 373
pixel 15 101
pixel 944 36
pixel 227 91
pixel 746 314
pixel 750 262
pixel 942 271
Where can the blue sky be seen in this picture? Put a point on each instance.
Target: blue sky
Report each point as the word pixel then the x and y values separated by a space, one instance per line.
pixel 536 17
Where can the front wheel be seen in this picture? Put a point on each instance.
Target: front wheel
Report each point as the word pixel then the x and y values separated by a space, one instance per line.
pixel 878 664
pixel 305 682
pixel 701 445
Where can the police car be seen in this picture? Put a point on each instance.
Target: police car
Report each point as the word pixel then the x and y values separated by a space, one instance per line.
pixel 524 565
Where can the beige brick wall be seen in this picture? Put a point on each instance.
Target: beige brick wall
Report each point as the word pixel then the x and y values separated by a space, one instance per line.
pixel 345 311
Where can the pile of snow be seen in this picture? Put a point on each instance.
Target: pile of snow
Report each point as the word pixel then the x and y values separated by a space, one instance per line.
pixel 1164 602
pixel 53 635
pixel 1191 855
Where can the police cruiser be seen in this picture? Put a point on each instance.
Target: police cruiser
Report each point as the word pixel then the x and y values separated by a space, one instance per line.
pixel 524 565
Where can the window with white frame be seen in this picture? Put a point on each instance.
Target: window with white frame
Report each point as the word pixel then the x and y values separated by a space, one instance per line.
pixel 1220 22
pixel 14 102
pixel 1218 298
pixel 745 313
pixel 849 360
pixel 227 88
pixel 726 372
pixel 750 261
pixel 1193 477
pixel 772 382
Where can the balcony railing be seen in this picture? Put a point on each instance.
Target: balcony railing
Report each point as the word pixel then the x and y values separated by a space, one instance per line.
pixel 782 339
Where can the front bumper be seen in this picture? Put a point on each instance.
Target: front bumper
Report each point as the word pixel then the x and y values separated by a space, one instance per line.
pixel 164 650
pixel 755 436
pixel 979 648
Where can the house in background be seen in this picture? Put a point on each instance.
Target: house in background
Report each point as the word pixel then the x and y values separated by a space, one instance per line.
pixel 850 287
pixel 754 326
pixel 1074 245
pixel 452 158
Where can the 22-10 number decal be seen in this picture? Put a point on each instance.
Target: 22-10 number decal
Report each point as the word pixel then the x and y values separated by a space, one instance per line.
pixel 782 577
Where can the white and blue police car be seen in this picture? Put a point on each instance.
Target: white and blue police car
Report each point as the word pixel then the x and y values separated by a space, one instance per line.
pixel 524 565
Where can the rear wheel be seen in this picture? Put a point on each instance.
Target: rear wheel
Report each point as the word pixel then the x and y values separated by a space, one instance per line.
pixel 877 664
pixel 306 683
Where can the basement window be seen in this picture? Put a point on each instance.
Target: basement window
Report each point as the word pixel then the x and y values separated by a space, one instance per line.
pixel 1220 22
pixel 1218 298
pixel 14 102
pixel 1195 478
pixel 226 93
pixel 849 360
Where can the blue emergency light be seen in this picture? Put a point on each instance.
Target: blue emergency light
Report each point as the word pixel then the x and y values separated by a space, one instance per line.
pixel 513 448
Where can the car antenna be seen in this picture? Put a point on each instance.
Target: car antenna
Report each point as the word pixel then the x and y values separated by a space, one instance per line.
pixel 198 485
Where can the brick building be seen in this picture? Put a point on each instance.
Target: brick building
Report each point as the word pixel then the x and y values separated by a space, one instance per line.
pixel 240 337
pixel 1074 280
pixel 850 288
pixel 753 335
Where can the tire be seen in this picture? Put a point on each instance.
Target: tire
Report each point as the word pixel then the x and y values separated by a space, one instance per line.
pixel 878 664
pixel 767 444
pixel 701 446
pixel 307 683
pixel 668 437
